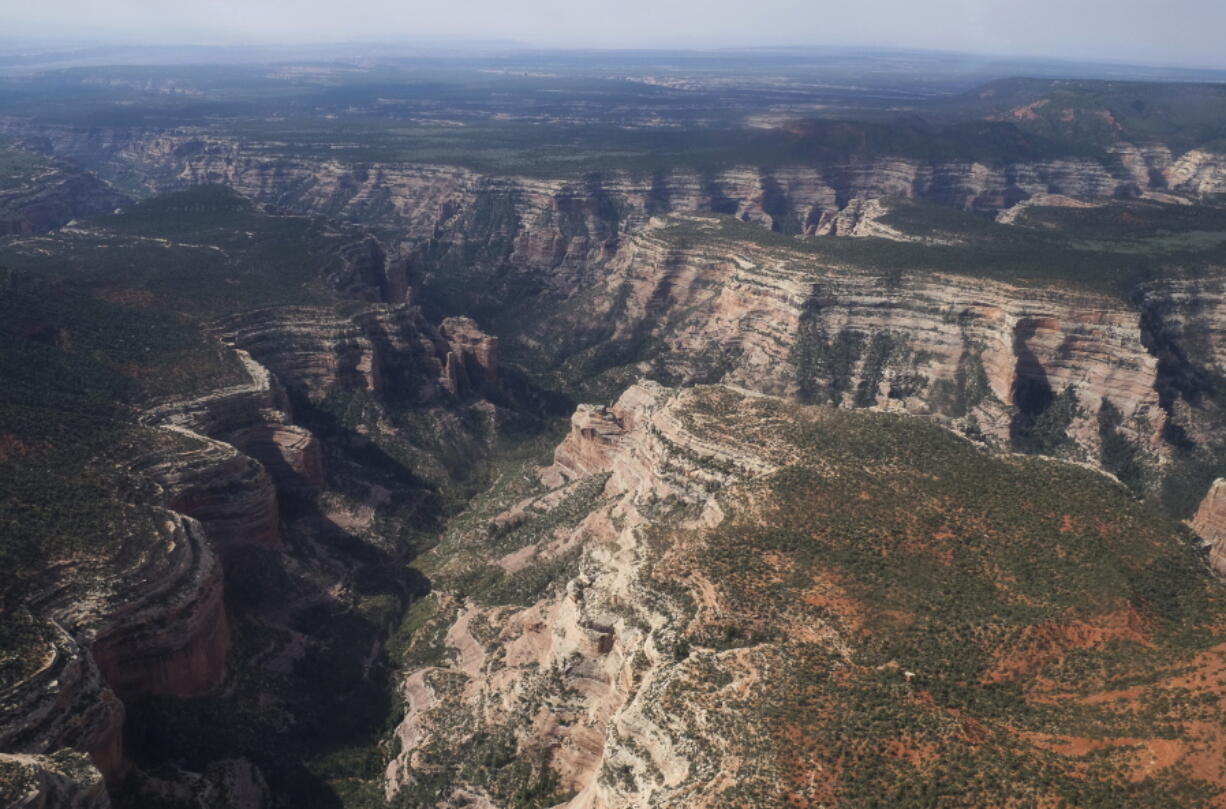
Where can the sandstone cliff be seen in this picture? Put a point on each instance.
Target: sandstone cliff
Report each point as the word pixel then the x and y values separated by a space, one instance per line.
pixel 1209 523
pixel 650 627
pixel 254 418
pixel 417 197
pixel 376 348
pixel 564 677
pixel 53 197
pixel 45 782
pixel 992 357
pixel 986 356
pixel 150 621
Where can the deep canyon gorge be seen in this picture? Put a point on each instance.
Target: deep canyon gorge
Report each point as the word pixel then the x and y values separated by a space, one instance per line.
pixel 885 477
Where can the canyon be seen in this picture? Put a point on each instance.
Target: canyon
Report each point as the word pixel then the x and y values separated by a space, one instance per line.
pixel 866 479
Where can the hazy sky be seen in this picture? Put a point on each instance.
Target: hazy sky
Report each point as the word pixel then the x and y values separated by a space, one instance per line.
pixel 1187 32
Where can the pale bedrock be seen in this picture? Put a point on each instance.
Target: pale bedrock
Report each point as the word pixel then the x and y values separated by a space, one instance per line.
pixel 253 417
pixel 230 493
pixel 377 348
pixel 1210 524
pixel 150 621
pixel 65 780
pixel 605 631
pixel 740 315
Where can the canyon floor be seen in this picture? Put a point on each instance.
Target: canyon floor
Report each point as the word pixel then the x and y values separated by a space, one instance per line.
pixel 612 430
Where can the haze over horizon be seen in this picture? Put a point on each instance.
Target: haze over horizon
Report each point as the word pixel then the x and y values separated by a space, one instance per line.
pixel 1179 33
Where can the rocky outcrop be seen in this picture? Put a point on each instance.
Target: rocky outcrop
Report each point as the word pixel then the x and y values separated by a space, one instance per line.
pixel 364 270
pixel 1210 524
pixel 862 218
pixel 379 348
pixel 589 649
pixel 148 621
pixel 254 418
pixel 1196 171
pixel 53 197
pixel 472 358
pixel 229 492
pixel 62 781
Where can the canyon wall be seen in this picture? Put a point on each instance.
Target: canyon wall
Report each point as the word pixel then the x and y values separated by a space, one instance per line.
pixel 377 348
pixel 148 621
pixel 984 356
pixel 619 636
pixel 564 679
pixel 151 619
pixel 416 198
pixel 52 198
pixel 480 240
pixel 582 257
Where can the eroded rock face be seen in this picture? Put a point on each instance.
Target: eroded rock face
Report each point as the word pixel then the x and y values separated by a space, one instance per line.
pixel 152 620
pixel 656 666
pixel 789 198
pixel 65 703
pixel 972 352
pixel 862 218
pixel 1210 524
pixel 229 492
pixel 53 198
pixel 1197 171
pixel 150 623
pixel 63 781
pixel 472 358
pixel 588 651
pixel 254 418
pixel 991 357
pixel 179 647
pixel 378 349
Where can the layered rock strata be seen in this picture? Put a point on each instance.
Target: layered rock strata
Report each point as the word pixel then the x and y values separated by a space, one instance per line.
pixel 52 198
pixel 580 664
pixel 229 492
pixel 794 198
pixel 1209 523
pixel 149 622
pixel 677 619
pixel 973 352
pixel 377 348
pixel 254 418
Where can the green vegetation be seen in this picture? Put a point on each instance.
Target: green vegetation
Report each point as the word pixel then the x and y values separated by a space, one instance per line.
pixel 978 602
pixel 824 366
pixel 975 574
pixel 464 563
pixel 203 252
pixel 1119 456
pixel 1001 252
pixel 1042 422
pixel 67 425
pixel 18 165
pixel 1100 112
